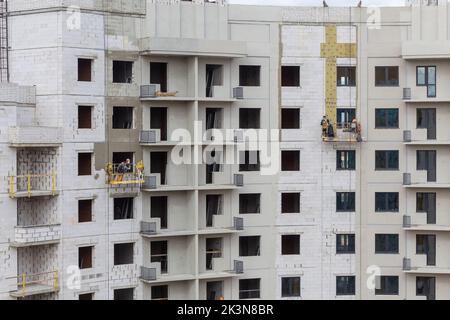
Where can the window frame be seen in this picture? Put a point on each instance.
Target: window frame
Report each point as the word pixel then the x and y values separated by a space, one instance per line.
pixel 387 168
pixel 351 237
pixel 242 66
pixel 386 201
pixel 348 194
pixel 347 160
pixel 295 295
pixel 426 83
pixel 386 124
pixel 347 292
pixel 299 76
pixel 379 292
pixel 396 236
pixel 347 77
pixel 386 76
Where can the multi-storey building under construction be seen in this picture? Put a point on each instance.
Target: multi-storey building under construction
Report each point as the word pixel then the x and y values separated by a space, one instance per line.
pixel 96 204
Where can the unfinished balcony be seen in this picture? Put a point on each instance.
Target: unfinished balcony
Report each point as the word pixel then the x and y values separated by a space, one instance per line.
pixel 28 285
pixel 168 260
pixel 32 185
pixel 152 230
pixel 35 136
pixel 26 236
pixel 218 176
pixel 216 261
pixel 422 137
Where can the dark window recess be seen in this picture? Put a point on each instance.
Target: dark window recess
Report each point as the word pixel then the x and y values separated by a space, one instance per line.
pixel 387 286
pixel 86 296
pixel 249 203
pixel 386 76
pixel 158 253
pixel 213 250
pixel 158 74
pixel 84 164
pixel 386 202
pixel 386 160
pixel 123 253
pixel 426 202
pixel 249 76
pixel 84 117
pixel 124 294
pixel 122 71
pixel 345 244
pixel 158 209
pixel 213 118
pixel 345 160
pixel 346 76
pixel 160 292
pixel 290 160
pixel 249 118
pixel 426 244
pixel 345 201
pixel 290 203
pixel 249 161
pixel 386 243
pixel 426 160
pixel 214 77
pixel 344 117
pixel 290 287
pixel 84 211
pixel 290 118
pixel 426 77
pixel 290 245
pixel 213 208
pixel 290 76
pixel 158 120
pixel 158 164
pixel 249 246
pixel 345 285
pixel 214 290
pixel 85 70
pixel 85 257
pixel 426 119
pixel 214 161
pixel 122 118
pixel 426 287
pixel 123 208
pixel 119 157
pixel 249 288
pixel 386 119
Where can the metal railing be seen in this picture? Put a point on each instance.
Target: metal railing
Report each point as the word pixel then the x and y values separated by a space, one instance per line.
pixel 32 183
pixel 26 281
pixel 125 174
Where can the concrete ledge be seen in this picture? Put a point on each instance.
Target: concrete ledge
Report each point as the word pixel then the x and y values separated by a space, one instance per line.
pixel 193 47
pixel 35 136
pixel 426 50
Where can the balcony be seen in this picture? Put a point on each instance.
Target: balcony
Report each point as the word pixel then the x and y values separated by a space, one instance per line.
pixel 32 185
pixel 152 183
pixel 192 47
pixel 20 137
pixel 152 229
pixel 153 275
pixel 418 222
pixel 25 236
pixel 35 284
pixel 415 266
pixel 418 180
pixel 221 225
pixel 222 180
pixel 151 92
pixel 222 268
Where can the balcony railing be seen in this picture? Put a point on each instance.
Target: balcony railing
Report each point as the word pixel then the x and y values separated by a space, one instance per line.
pixel 32 184
pixel 33 284
pixel 149 228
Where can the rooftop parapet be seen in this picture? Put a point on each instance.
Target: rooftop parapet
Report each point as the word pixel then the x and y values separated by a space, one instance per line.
pixel 137 7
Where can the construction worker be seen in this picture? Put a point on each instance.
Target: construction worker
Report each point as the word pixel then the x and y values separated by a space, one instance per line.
pixel 354 125
pixel 324 123
pixel 330 130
